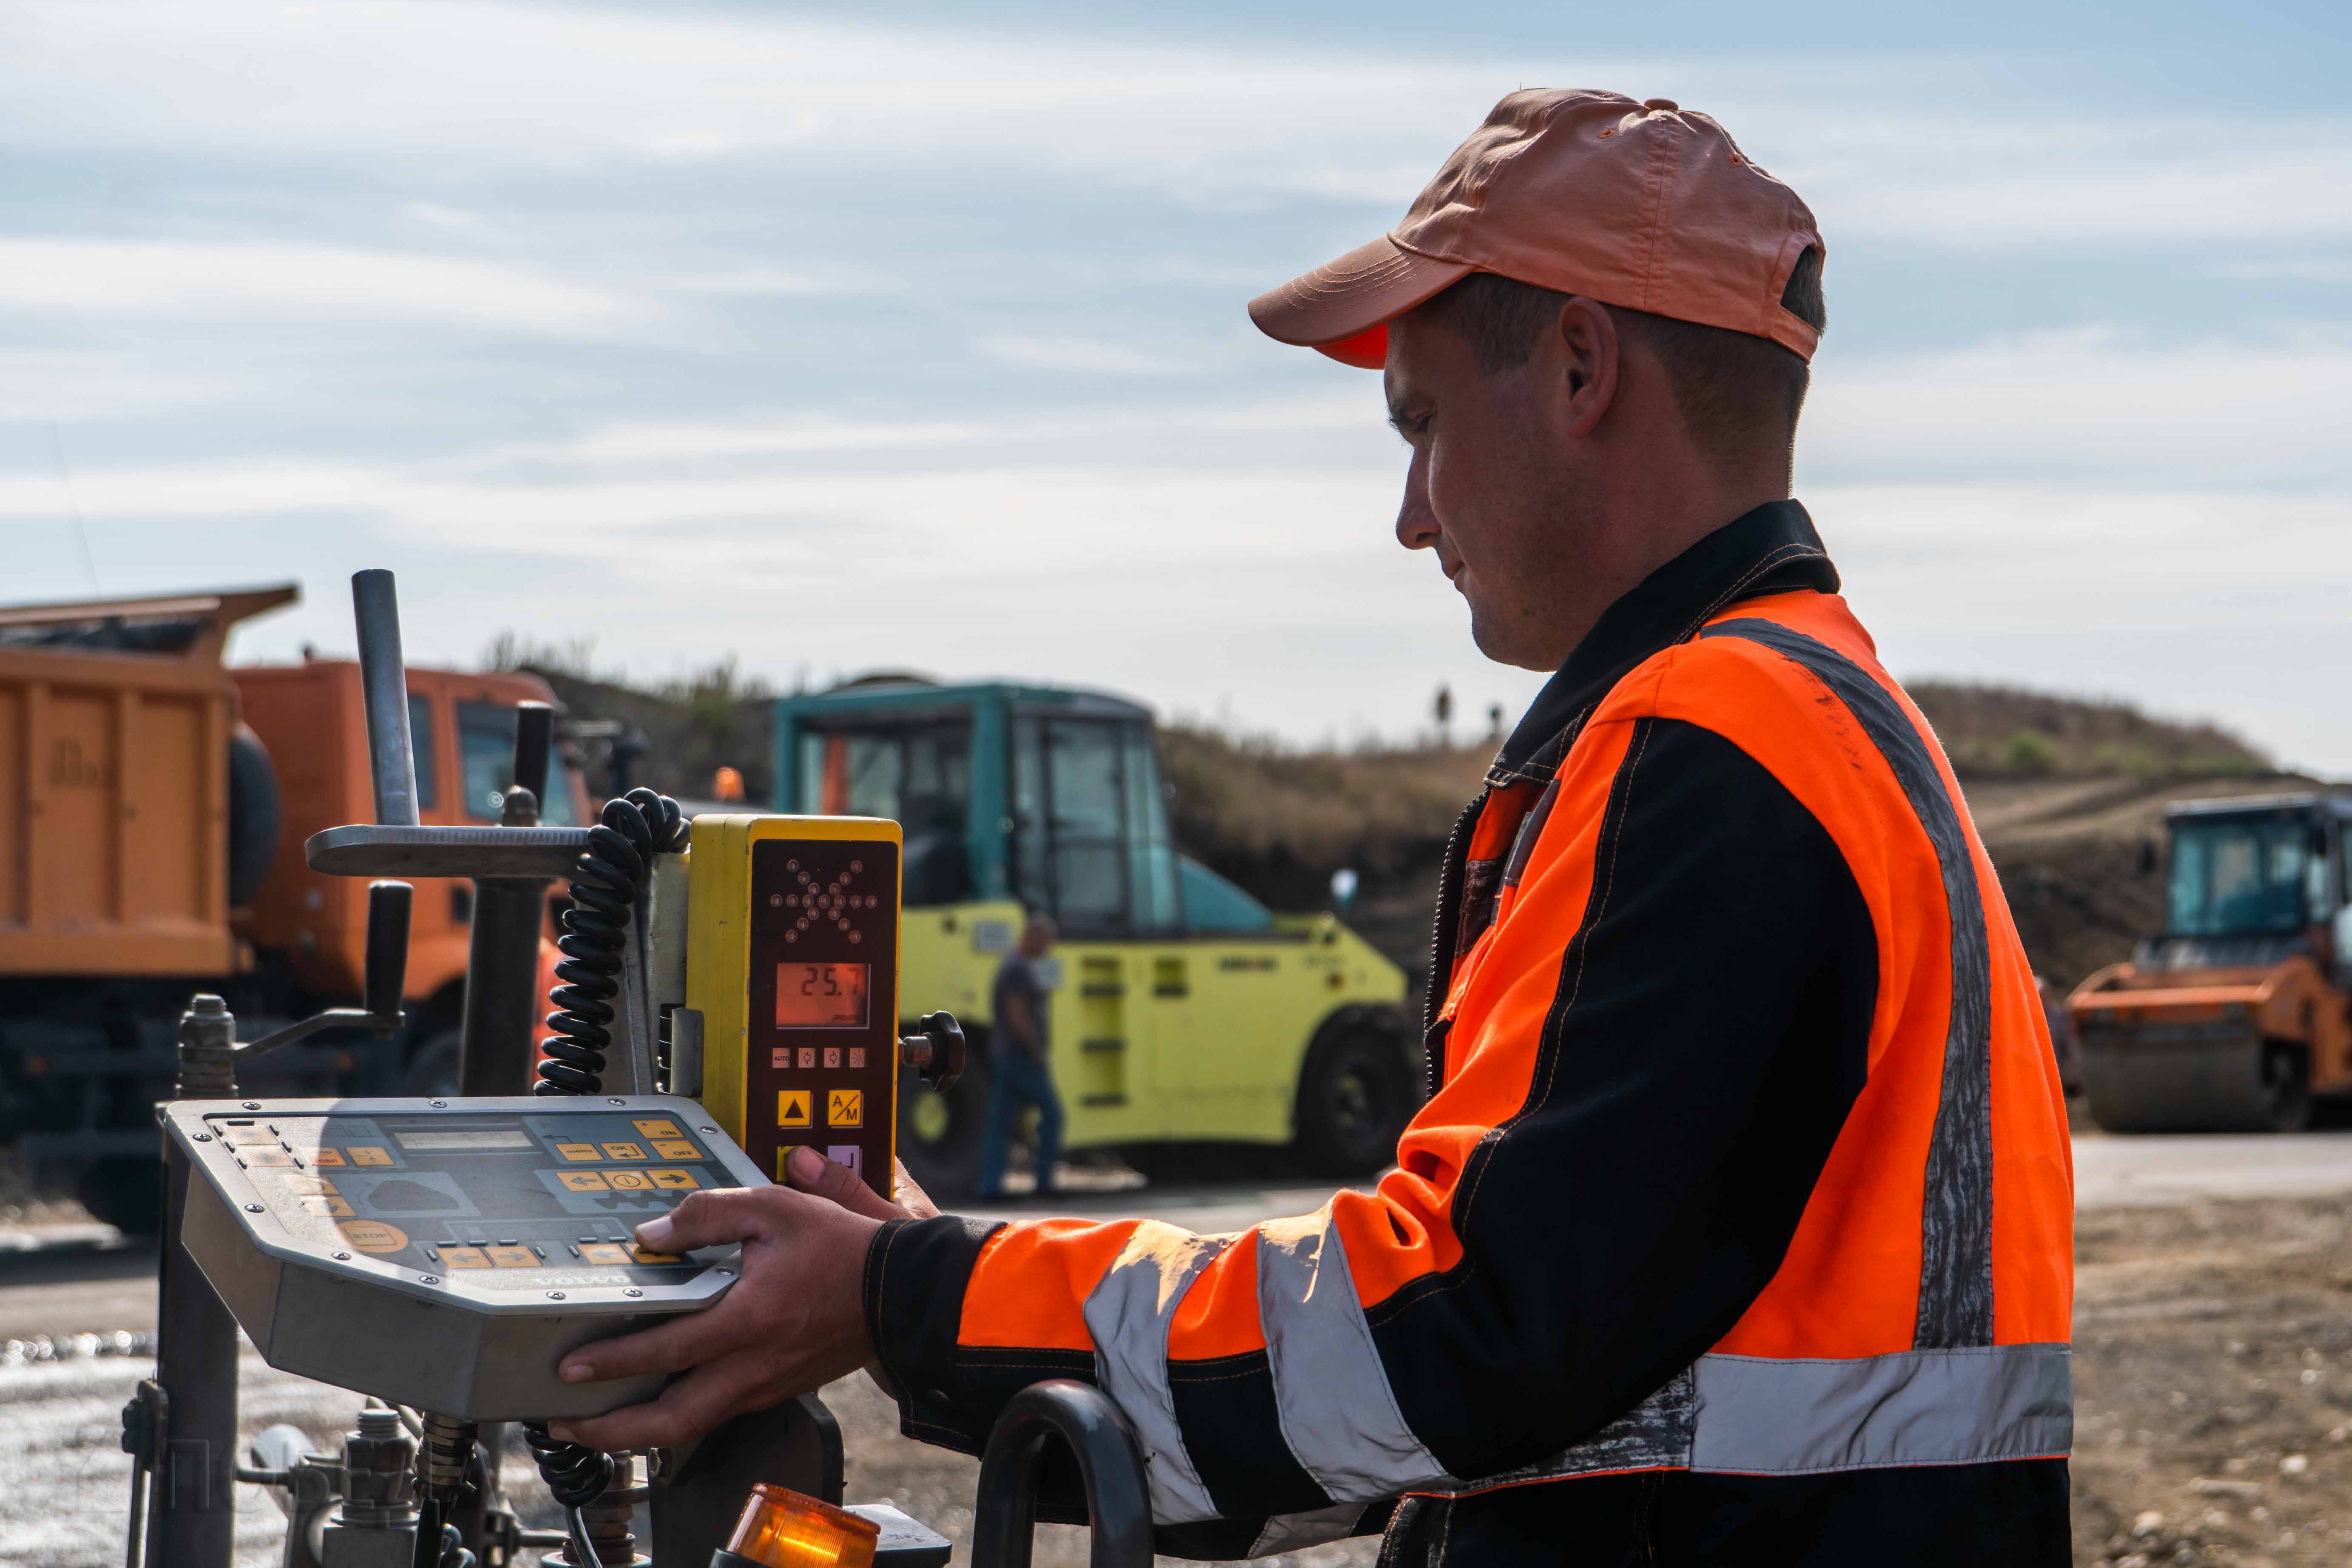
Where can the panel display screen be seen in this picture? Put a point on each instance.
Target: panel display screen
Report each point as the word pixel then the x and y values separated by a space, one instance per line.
pixel 485 1138
pixel 821 996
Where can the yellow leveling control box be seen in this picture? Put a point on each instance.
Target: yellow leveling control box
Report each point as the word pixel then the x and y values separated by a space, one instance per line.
pixel 793 961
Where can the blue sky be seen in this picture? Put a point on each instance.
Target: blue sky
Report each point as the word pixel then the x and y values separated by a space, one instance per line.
pixel 914 337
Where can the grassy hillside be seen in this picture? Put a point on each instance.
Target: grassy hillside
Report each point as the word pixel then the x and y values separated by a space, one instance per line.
pixel 2001 732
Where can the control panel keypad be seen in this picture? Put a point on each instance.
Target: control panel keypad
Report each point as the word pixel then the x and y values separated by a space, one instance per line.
pixel 823 1004
pixel 508 1201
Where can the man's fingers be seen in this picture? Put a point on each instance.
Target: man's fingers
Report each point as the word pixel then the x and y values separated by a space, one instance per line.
pixel 912 1197
pixel 669 1347
pixel 686 1409
pixel 712 1218
pixel 812 1173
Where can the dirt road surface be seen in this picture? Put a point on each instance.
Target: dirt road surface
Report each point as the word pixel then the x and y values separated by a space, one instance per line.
pixel 2214 1363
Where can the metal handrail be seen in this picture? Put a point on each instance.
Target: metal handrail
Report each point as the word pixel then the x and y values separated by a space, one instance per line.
pixel 1110 1466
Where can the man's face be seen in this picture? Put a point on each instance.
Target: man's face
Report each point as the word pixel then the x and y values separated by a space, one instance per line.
pixel 1491 489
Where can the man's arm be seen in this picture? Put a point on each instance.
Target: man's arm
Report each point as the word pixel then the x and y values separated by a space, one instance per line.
pixel 1670 1026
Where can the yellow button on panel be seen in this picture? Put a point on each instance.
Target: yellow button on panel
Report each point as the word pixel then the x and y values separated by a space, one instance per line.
pixel 642 1256
pixel 326 1157
pixel 374 1234
pixel 581 1154
pixel 583 1181
pixel 676 1181
pixel 625 1151
pixel 604 1254
pixel 456 1257
pixel 791 1108
pixel 845 1108
pixel 266 1159
pixel 675 1149
pixel 334 1208
pixel 368 1154
pixel 309 1186
pixel 656 1128
pixel 629 1180
pixel 514 1257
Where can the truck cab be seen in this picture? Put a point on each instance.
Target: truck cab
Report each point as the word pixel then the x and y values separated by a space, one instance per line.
pixel 1181 1010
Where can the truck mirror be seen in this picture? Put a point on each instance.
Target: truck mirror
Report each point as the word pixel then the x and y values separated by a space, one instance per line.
pixel 534 735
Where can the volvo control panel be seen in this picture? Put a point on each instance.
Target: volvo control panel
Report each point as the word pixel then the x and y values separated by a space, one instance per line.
pixel 446 1255
pixel 794 965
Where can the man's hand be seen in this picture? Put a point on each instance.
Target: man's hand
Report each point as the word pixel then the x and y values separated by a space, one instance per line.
pixel 794 1323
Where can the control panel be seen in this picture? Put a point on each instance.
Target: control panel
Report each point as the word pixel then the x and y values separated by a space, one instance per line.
pixel 446 1255
pixel 794 966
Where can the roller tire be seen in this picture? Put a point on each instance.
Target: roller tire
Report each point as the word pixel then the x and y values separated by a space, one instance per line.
pixel 939 1136
pixel 1354 1098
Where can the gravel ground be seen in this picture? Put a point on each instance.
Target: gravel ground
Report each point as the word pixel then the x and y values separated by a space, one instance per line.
pixel 2213 1381
pixel 65 1491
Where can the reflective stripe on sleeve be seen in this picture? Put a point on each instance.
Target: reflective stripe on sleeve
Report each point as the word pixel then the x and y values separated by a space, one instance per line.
pixel 1339 1414
pixel 1761 1415
pixel 1289 1531
pixel 1127 1312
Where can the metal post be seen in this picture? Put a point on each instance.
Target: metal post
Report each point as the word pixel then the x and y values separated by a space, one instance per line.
pixel 502 1001
pixel 383 688
pixel 189 1516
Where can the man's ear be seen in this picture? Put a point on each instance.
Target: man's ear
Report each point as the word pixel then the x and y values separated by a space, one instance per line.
pixel 1583 346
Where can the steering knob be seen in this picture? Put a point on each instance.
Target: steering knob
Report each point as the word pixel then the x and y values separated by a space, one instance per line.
pixel 935 1053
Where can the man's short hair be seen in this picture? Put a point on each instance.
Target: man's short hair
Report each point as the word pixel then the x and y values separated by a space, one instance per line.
pixel 1734 390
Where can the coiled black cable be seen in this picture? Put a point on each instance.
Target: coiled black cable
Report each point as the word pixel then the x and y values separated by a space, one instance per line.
pixel 607 879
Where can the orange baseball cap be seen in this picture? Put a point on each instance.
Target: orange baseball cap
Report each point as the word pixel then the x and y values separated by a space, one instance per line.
pixel 1643 205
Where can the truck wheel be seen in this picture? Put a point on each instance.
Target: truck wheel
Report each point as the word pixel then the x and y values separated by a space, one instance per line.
pixel 939 1134
pixel 432 1069
pixel 125 1193
pixel 1354 1098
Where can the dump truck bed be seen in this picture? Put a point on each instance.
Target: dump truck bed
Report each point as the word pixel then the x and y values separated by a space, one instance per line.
pixel 115 720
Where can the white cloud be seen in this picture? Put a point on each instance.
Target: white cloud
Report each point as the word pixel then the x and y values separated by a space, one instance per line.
pixel 2096 402
pixel 1086 356
pixel 197 281
pixel 1910 148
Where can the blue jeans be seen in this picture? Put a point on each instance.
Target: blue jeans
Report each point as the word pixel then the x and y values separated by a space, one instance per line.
pixel 1018 1080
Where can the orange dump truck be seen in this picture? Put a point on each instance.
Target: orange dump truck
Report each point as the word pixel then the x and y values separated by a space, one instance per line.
pixel 2236 1016
pixel 153 804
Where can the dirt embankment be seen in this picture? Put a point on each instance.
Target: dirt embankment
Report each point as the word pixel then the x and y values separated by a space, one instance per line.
pixel 2068 793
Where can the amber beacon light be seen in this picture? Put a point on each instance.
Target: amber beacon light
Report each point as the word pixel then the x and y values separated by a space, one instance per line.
pixel 783 1528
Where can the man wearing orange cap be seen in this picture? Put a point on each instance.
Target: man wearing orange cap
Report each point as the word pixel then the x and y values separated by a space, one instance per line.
pixel 1736 1228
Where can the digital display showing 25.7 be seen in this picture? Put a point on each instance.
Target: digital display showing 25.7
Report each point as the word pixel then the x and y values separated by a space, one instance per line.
pixel 821 996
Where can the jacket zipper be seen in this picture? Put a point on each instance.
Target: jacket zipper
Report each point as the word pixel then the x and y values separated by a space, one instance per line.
pixel 1441 939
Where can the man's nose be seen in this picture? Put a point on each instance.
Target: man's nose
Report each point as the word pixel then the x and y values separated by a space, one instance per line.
pixel 1416 523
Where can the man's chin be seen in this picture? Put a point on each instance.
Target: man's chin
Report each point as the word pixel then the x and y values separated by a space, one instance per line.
pixel 1500 648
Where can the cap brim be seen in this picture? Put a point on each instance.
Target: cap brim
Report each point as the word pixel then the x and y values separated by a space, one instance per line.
pixel 1344 307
